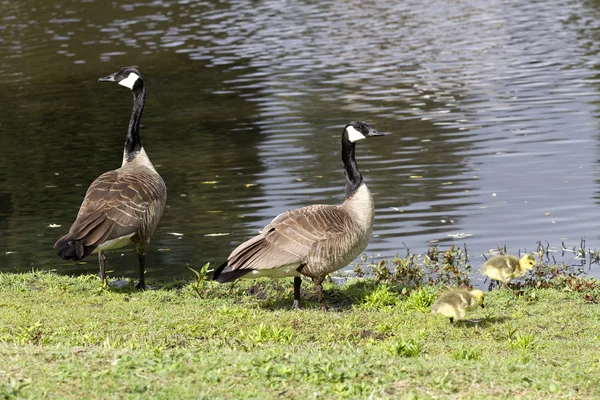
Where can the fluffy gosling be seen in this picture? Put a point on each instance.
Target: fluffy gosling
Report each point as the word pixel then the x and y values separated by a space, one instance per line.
pixel 505 267
pixel 454 304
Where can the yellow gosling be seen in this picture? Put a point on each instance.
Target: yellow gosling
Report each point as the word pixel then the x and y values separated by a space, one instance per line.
pixel 454 304
pixel 505 267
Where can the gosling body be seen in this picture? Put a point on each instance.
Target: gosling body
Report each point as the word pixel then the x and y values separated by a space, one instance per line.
pixel 454 304
pixel 506 267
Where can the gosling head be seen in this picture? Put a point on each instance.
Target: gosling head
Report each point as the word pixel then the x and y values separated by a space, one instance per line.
pixel 126 76
pixel 527 262
pixel 357 130
pixel 478 295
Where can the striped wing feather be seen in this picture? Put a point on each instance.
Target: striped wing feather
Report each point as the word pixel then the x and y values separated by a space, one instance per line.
pixel 118 203
pixel 292 237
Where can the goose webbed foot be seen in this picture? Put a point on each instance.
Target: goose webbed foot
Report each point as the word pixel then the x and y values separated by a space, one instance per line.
pixel 141 285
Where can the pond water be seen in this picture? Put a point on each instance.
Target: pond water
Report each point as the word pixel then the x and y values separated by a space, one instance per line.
pixel 492 109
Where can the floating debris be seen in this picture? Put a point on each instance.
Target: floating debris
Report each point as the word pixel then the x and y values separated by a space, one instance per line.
pixel 164 249
pixel 175 233
pixel 182 195
pixel 209 182
pixel 9 252
pixel 460 235
pixel 415 176
pixel 250 185
pixel 217 234
pixel 54 226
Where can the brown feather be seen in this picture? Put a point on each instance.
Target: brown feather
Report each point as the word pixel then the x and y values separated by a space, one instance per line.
pixel 292 237
pixel 126 201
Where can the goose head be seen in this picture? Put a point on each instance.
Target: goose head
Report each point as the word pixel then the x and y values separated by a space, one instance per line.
pixel 478 295
pixel 527 262
pixel 126 76
pixel 357 130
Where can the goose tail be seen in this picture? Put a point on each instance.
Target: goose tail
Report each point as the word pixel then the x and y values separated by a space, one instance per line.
pixel 220 275
pixel 68 248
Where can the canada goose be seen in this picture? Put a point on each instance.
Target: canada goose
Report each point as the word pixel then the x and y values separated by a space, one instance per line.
pixel 122 206
pixel 312 241
pixel 505 267
pixel 455 303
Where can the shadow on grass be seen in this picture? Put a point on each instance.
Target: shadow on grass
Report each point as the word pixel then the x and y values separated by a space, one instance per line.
pixel 339 298
pixel 269 294
pixel 480 323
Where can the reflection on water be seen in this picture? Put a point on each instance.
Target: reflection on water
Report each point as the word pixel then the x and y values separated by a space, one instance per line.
pixel 492 109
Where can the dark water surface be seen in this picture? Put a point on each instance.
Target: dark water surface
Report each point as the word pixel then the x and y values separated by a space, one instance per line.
pixel 493 110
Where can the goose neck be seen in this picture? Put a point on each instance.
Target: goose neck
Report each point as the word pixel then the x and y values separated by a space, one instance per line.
pixel 133 143
pixel 354 178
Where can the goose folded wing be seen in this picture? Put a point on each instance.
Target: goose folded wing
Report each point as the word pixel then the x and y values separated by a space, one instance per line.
pixel 115 205
pixel 289 238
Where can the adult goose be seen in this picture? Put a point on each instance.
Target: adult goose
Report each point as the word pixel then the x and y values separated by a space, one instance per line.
pixel 312 241
pixel 122 206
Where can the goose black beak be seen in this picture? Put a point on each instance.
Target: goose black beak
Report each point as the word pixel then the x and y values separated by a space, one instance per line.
pixel 373 132
pixel 109 78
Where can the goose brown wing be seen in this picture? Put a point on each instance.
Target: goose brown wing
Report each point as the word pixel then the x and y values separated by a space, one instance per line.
pixel 116 204
pixel 289 238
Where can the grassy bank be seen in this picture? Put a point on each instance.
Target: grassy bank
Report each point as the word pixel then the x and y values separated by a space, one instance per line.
pixel 67 337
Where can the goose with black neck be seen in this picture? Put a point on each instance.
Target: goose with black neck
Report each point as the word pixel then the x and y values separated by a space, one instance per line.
pixel 313 241
pixel 122 206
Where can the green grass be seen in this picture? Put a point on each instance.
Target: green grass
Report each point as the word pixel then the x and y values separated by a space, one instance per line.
pixel 68 337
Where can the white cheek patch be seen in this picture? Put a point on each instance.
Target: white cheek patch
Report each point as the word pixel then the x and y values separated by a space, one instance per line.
pixel 129 81
pixel 353 134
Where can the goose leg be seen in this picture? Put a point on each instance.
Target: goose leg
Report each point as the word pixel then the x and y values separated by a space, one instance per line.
pixel 297 283
pixel 102 264
pixel 141 248
pixel 320 294
pixel 142 261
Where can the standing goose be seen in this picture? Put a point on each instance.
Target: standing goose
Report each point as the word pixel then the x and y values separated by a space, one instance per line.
pixel 122 206
pixel 312 241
